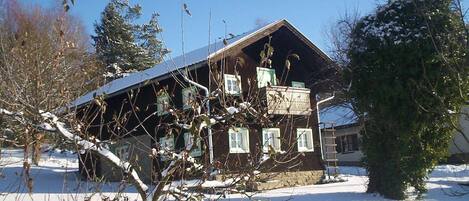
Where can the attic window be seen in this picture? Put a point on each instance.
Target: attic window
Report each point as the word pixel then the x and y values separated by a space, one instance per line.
pixel 266 77
pixel 162 104
pixel 232 84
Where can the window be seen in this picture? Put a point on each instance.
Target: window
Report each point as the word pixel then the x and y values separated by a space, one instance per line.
pixel 162 104
pixel 166 143
pixel 239 140
pixel 298 84
pixel 305 139
pixel 271 138
pixel 265 77
pixel 188 97
pixel 123 152
pixel 232 84
pixel 196 149
pixel 347 143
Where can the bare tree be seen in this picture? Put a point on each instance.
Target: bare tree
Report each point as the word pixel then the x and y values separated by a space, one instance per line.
pixel 41 75
pixel 44 64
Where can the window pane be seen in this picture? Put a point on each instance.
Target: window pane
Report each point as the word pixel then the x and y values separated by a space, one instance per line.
pixel 298 84
pixel 265 76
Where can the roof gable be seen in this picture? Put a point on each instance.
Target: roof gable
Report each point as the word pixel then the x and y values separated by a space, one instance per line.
pixel 193 59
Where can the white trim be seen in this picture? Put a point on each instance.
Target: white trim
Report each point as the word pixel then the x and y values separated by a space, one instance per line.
pixel 123 151
pixel 237 79
pixel 195 152
pixel 298 83
pixel 265 71
pixel 244 134
pixel 185 104
pixel 163 142
pixel 277 140
pixel 308 134
pixel 159 109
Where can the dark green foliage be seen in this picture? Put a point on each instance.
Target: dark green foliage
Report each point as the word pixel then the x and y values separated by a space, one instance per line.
pixel 409 77
pixel 124 47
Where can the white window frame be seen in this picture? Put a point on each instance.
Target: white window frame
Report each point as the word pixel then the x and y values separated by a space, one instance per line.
pixel 260 77
pixel 167 142
pixel 229 79
pixel 123 152
pixel 273 140
pixel 238 140
pixel 304 138
pixel 187 100
pixel 296 83
pixel 188 140
pixel 160 107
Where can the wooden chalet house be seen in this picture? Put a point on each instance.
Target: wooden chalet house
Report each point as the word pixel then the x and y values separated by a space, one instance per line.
pixel 230 70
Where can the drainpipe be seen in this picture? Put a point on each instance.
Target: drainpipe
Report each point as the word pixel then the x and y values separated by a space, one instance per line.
pixel 207 104
pixel 319 125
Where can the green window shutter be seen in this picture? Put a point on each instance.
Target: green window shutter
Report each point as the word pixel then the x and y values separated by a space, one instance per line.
pixel 298 84
pixel 265 76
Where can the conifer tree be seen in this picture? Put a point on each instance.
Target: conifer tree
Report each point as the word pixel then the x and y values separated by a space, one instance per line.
pixel 123 46
pixel 409 78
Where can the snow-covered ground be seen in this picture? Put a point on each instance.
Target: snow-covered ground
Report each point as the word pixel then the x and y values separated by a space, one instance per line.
pixel 56 179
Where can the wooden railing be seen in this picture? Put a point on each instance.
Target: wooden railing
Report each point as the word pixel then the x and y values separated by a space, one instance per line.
pixel 287 100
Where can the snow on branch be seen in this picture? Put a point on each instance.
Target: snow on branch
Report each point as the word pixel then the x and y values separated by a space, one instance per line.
pixel 55 125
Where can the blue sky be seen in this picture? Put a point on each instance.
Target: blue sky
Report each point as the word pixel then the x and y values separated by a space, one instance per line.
pixel 312 17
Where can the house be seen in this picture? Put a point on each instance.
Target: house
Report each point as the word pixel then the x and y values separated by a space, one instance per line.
pixel 231 71
pixel 347 139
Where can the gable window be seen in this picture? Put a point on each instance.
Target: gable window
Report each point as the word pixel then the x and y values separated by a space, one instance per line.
pixel 239 140
pixel 305 139
pixel 232 84
pixel 196 148
pixel 166 143
pixel 265 77
pixel 188 97
pixel 298 84
pixel 162 104
pixel 271 139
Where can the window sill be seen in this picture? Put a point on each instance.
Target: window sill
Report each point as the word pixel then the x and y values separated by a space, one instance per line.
pixel 275 150
pixel 305 150
pixel 239 151
pixel 233 93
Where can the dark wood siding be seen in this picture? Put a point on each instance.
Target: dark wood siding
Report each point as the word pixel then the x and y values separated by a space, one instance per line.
pixel 246 58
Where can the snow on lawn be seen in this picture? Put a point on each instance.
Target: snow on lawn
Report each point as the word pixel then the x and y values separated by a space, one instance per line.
pixel 56 178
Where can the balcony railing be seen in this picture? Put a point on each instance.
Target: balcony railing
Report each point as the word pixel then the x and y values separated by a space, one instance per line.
pixel 287 100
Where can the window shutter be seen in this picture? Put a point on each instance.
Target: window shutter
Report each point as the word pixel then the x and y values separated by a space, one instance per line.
pixel 277 141
pixel 231 140
pixel 245 143
pixel 310 139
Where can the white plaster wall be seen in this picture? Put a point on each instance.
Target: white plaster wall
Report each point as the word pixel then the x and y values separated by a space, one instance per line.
pixel 458 139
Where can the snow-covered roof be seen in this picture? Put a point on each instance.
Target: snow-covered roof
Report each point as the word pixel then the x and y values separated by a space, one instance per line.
pixel 169 65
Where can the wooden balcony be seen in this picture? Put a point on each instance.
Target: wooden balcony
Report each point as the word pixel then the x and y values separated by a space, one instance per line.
pixel 284 100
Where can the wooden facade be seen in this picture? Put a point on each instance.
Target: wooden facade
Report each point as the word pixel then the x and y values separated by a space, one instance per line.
pixel 295 112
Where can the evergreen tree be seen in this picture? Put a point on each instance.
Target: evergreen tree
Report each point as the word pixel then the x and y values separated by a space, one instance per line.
pixel 409 79
pixel 124 47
